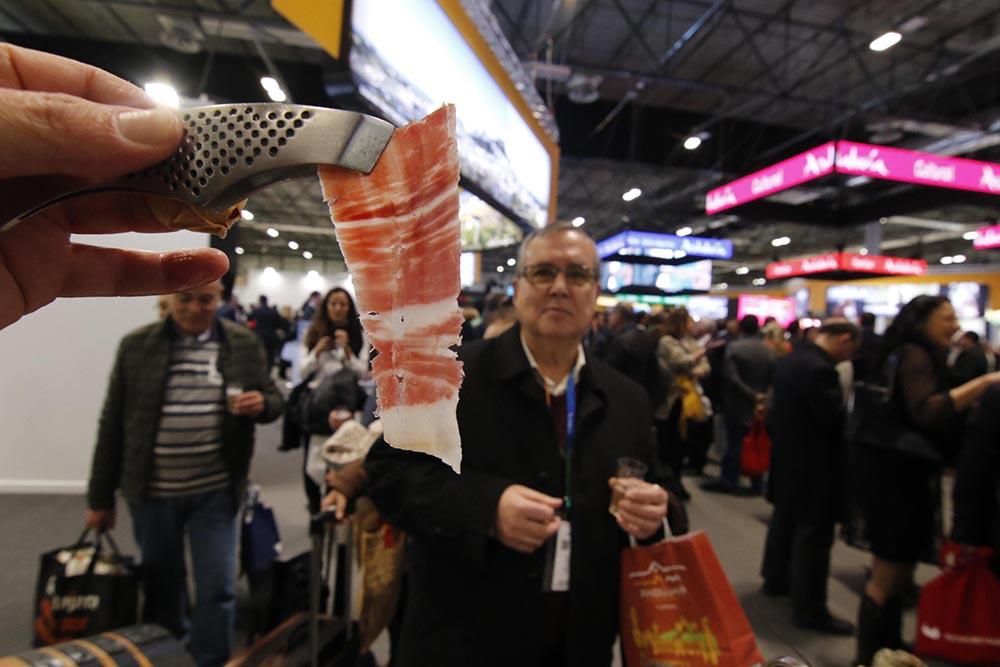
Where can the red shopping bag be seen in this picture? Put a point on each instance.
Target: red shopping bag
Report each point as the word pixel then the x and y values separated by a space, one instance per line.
pixel 755 455
pixel 678 608
pixel 958 619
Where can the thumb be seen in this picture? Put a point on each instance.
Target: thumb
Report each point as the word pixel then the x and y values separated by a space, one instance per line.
pixel 54 133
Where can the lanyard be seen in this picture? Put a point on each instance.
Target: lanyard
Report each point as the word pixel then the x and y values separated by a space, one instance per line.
pixel 570 429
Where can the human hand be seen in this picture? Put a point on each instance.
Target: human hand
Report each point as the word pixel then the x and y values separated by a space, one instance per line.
pixel 60 121
pixel 642 510
pixel 248 404
pixel 99 520
pixel 341 340
pixel 323 345
pixel 526 518
pixel 337 417
pixel 336 501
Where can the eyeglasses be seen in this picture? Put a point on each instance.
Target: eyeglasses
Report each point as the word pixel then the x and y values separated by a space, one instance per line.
pixel 543 275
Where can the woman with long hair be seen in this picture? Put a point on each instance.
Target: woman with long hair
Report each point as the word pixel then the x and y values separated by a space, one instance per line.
pixel 333 342
pixel 681 420
pixel 900 490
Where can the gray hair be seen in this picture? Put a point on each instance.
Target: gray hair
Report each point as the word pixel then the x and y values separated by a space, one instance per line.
pixel 550 230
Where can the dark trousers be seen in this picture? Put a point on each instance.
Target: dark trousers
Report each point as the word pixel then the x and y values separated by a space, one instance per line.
pixel 732 461
pixel 670 447
pixel 797 556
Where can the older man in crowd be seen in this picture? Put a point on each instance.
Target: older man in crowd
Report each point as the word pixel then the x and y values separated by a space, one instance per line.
pixel 808 474
pixel 176 437
pixel 490 582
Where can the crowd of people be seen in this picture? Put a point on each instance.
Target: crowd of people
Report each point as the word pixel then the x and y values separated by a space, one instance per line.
pixel 515 561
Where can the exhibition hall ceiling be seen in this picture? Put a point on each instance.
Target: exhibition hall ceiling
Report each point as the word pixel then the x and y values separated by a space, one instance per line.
pixel 630 83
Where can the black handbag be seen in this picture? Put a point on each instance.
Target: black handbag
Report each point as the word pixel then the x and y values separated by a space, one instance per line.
pixel 876 420
pixel 84 589
pixel 335 391
pixel 293 428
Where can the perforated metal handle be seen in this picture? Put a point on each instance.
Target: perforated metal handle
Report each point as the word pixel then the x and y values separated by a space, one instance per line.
pixel 228 152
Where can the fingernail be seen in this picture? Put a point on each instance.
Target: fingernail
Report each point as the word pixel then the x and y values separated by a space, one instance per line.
pixel 150 126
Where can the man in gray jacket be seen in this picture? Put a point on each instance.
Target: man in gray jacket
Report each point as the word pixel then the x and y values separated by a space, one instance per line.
pixel 749 367
pixel 176 436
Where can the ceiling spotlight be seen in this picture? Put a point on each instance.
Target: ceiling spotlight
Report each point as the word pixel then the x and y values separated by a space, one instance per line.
pixel 947 259
pixel 970 236
pixel 163 94
pixel 684 231
pixel 863 251
pixel 958 259
pixel 743 270
pixel 307 254
pixel 759 281
pixel 722 286
pixel 692 142
pixel 781 241
pixel 511 262
pixel 272 232
pixel 246 214
pixel 883 42
pixel 313 274
pixel 578 221
pixel 634 193
pixel 239 250
pixel 293 245
pixel 499 269
pixel 273 88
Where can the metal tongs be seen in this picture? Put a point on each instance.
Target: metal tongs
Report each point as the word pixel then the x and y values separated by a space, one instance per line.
pixel 228 152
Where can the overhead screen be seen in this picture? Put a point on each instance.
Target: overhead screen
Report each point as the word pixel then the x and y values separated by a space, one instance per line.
pixel 694 276
pixel 408 58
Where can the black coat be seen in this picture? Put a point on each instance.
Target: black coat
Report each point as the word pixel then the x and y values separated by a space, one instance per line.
pixel 977 485
pixel 473 601
pixel 806 425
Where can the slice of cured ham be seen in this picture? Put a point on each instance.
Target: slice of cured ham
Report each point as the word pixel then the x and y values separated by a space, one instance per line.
pixel 399 232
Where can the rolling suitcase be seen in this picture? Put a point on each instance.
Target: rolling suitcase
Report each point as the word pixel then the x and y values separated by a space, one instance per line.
pixel 314 637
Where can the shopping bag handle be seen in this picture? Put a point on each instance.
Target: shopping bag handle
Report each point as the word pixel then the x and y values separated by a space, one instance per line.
pixel 97 544
pixel 667 533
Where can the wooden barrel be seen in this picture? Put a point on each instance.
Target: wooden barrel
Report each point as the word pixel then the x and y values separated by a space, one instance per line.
pixel 136 646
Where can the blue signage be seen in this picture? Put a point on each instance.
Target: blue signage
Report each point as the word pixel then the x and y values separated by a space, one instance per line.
pixel 664 246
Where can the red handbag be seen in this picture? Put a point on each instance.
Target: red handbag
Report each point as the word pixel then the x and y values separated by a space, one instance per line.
pixel 958 619
pixel 755 455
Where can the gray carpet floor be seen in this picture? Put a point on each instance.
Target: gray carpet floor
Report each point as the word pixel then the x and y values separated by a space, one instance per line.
pixel 736 525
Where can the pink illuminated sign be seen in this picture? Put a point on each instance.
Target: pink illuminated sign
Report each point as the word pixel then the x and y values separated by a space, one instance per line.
pixel 848 262
pixel 786 174
pixel 987 238
pixel 782 310
pixel 849 157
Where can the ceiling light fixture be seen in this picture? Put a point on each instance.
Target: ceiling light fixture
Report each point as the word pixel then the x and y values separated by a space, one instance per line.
pixel 293 245
pixel 163 93
pixel 692 142
pixel 863 251
pixel 781 241
pixel 970 236
pixel 685 231
pixel 722 286
pixel 239 250
pixel 499 269
pixel 759 281
pixel 511 262
pixel 946 259
pixel 273 88
pixel 886 41
pixel 272 232
pixel 958 259
pixel 246 214
pixel 578 221
pixel 633 193
pixel 307 254
pixel 743 270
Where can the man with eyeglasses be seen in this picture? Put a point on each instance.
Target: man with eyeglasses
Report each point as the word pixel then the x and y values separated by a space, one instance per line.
pixel 516 560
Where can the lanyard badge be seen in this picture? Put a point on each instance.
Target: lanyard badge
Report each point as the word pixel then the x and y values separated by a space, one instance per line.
pixel 557 557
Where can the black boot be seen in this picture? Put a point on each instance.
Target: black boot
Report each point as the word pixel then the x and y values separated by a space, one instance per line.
pixel 872 624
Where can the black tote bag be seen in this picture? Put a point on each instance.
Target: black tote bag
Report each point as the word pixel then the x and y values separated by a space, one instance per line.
pixel 84 589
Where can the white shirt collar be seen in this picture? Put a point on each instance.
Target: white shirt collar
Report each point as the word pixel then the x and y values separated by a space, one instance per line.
pixel 552 387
